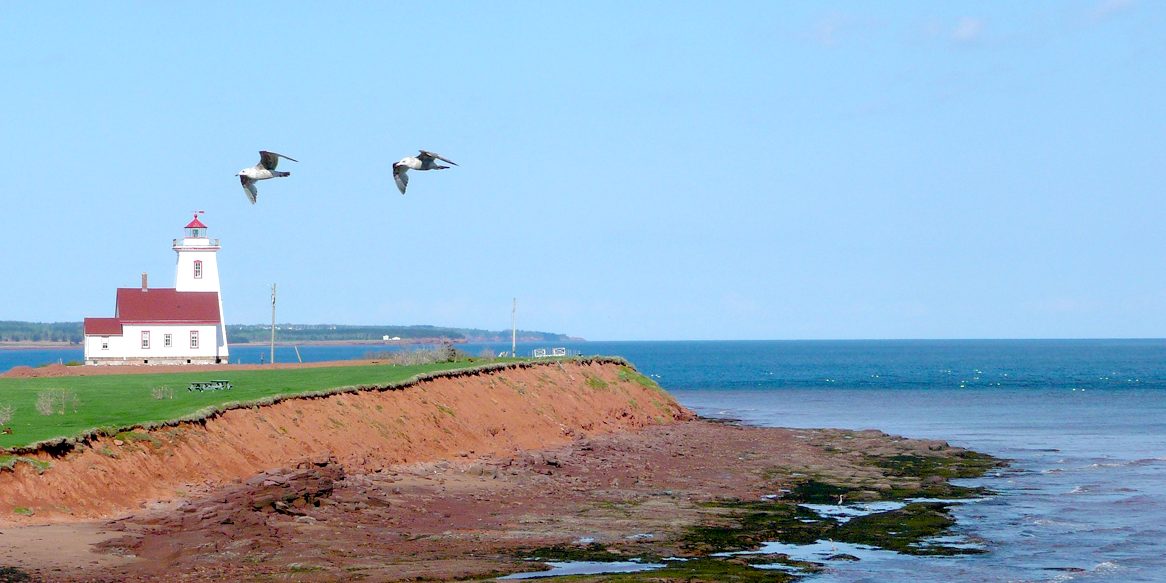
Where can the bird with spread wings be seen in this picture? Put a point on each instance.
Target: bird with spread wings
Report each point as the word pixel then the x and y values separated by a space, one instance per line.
pixel 425 160
pixel 262 171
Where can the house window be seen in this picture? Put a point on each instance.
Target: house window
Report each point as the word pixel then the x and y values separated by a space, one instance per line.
pixel 167 340
pixel 198 269
pixel 105 343
pixel 145 339
pixel 194 338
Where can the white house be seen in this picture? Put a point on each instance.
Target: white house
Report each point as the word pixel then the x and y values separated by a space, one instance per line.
pixel 179 325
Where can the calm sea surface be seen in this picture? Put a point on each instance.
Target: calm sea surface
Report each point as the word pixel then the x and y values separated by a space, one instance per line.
pixel 1084 422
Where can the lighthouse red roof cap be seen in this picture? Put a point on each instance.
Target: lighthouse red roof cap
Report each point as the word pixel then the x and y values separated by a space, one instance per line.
pixel 195 224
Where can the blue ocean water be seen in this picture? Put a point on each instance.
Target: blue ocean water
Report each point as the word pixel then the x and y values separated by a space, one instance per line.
pixel 1083 421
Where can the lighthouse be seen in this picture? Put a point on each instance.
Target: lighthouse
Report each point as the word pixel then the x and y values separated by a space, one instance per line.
pixel 198 268
pixel 179 325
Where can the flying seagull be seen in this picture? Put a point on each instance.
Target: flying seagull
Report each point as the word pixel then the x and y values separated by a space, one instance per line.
pixel 262 171
pixel 422 161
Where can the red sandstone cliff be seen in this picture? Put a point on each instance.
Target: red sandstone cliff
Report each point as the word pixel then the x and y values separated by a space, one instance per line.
pixel 526 406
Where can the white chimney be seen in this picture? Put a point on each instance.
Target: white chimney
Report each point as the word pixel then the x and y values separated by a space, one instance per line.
pixel 144 286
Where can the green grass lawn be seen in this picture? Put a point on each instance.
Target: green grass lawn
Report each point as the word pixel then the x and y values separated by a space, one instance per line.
pixel 110 403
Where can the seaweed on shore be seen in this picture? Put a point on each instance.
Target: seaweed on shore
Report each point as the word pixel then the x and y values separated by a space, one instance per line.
pixel 589 552
pixel 817 492
pixel 746 525
pixel 935 472
pixel 962 464
pixel 905 530
pixel 740 569
pixel 719 547
pixel 13 575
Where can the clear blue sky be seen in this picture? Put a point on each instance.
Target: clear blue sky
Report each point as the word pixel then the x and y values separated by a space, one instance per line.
pixel 628 170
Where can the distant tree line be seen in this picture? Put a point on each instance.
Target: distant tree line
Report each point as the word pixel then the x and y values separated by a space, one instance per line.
pixel 330 332
pixel 13 331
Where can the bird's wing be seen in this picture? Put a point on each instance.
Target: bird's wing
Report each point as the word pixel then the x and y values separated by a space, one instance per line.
pixel 401 175
pixel 270 160
pixel 430 155
pixel 249 189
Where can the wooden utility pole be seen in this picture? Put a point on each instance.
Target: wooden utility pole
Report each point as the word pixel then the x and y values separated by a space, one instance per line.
pixel 273 323
pixel 513 328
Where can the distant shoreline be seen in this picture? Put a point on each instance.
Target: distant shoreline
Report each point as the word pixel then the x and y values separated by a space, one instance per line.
pixel 402 342
pixel 34 345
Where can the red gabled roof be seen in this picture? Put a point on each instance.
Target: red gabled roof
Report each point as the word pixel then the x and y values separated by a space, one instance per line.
pixel 195 224
pixel 167 305
pixel 102 327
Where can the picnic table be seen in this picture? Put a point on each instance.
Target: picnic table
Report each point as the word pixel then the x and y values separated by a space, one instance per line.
pixel 215 385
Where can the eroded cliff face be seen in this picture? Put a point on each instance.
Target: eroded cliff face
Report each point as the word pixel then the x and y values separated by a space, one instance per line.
pixel 497 412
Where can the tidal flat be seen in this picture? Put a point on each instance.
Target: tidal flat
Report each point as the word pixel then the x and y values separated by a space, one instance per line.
pixel 659 494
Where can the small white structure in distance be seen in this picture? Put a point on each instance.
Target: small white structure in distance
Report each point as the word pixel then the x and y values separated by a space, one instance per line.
pixel 179 325
pixel 542 352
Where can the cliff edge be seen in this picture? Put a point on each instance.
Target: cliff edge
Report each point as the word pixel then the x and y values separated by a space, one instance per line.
pixel 523 406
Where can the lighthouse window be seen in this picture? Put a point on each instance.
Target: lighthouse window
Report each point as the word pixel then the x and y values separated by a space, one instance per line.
pixel 145 339
pixel 194 338
pixel 198 269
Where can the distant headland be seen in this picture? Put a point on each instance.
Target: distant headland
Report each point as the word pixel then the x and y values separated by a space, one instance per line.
pixel 36 334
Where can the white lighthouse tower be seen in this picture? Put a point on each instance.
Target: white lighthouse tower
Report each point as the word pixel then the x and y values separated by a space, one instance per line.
pixel 198 268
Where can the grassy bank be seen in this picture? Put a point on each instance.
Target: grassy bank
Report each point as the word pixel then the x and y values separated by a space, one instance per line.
pixel 47 411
